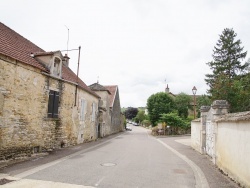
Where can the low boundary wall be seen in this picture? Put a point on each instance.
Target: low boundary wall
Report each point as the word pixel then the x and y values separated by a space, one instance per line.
pixel 230 140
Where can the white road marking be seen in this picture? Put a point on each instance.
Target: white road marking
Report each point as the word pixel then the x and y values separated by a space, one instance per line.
pixel 98 183
pixel 27 183
pixel 201 181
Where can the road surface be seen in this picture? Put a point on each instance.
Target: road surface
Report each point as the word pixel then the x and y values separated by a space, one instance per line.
pixel 131 159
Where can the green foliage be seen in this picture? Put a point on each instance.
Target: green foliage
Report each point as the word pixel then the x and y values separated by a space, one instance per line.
pixel 240 94
pixel 182 102
pixel 140 116
pixel 159 103
pixel 146 122
pixel 203 100
pixel 227 70
pixel 172 119
pixel 131 113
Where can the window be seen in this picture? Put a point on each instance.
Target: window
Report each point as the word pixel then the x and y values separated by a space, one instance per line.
pixel 82 110
pixel 57 67
pixel 53 104
pixel 93 111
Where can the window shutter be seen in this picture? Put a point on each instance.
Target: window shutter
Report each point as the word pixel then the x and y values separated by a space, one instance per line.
pixel 56 102
pixel 93 112
pixel 50 105
pixel 82 110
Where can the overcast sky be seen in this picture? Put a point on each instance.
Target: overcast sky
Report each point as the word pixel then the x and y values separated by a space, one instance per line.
pixel 135 44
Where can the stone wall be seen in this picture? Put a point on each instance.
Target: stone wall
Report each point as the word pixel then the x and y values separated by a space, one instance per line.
pixel 87 129
pixel 23 107
pixel 232 147
pixel 116 124
pixel 24 126
pixel 105 119
pixel 225 138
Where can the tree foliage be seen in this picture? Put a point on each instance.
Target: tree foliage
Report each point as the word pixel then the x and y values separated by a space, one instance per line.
pixel 182 102
pixel 159 103
pixel 203 100
pixel 172 119
pixel 140 116
pixel 226 67
pixel 131 112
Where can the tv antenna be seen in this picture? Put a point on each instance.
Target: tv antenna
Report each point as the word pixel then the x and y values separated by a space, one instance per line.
pixel 67 40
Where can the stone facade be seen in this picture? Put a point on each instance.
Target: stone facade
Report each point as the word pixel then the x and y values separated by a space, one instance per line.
pixel 115 110
pixel 110 116
pixel 24 125
pixel 44 105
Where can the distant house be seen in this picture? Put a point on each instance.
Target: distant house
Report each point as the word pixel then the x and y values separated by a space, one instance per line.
pixel 110 116
pixel 43 104
pixel 190 111
pixel 167 90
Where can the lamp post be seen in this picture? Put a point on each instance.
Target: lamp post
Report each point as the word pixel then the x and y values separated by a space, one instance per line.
pixel 194 92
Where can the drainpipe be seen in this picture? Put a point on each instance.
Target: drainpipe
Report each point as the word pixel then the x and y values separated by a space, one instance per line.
pixel 77 73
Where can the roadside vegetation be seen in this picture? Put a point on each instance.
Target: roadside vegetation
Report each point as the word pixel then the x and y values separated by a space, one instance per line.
pixel 229 80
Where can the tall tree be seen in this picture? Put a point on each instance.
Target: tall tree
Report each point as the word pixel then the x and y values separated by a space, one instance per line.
pixel 159 103
pixel 226 65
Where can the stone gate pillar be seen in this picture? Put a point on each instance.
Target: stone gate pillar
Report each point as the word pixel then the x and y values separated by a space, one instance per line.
pixel 204 112
pixel 218 109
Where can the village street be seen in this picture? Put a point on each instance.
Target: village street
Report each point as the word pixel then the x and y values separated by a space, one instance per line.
pixel 130 159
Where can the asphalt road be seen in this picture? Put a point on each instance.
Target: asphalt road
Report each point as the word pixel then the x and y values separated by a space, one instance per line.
pixel 131 159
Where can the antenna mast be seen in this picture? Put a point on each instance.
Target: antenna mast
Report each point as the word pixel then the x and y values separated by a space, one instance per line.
pixel 67 40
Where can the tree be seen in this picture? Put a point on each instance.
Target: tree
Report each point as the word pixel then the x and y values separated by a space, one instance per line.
pixel 240 100
pixel 159 103
pixel 175 122
pixel 202 101
pixel 140 116
pixel 182 102
pixel 131 112
pixel 226 66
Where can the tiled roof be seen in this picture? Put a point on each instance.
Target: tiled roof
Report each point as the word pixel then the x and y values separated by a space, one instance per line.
pixel 17 47
pixel 68 74
pixel 112 89
pixel 98 87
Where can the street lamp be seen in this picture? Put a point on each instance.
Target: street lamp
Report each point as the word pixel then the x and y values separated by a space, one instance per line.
pixel 194 92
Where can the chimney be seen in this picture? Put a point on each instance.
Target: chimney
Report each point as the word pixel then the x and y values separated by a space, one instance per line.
pixel 66 60
pixel 167 89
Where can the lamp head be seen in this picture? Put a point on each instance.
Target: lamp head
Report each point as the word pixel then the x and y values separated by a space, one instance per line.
pixel 194 90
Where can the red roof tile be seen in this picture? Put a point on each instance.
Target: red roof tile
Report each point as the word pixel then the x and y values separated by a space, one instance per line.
pixel 112 89
pixel 69 75
pixel 17 47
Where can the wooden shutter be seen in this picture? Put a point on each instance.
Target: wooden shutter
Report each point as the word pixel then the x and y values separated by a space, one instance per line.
pixel 82 110
pixel 56 104
pixel 93 112
pixel 53 104
pixel 50 105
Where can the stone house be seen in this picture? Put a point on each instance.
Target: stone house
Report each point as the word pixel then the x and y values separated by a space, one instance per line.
pixel 110 116
pixel 43 103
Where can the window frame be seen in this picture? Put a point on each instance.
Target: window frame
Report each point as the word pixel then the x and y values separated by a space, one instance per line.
pixel 53 104
pixel 82 110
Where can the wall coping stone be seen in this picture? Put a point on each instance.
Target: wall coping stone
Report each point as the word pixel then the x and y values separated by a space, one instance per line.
pixel 221 104
pixel 205 108
pixel 240 116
